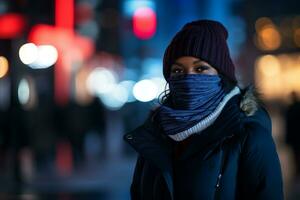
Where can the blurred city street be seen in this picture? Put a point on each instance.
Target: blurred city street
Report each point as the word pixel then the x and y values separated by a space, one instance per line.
pixel 76 75
pixel 104 180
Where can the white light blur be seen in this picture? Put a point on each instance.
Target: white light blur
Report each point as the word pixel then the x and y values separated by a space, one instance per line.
pixel 47 56
pixel 38 57
pixel 160 84
pixel 23 91
pixel 100 81
pixel 28 53
pixel 145 90
pixel 128 85
pixel 115 98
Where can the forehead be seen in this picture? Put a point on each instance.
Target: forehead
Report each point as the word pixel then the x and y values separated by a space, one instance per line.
pixel 188 60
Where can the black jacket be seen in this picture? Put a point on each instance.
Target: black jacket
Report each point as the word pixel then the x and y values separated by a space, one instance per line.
pixel 235 158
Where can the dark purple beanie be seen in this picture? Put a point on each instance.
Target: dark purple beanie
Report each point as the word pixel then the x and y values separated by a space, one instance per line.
pixel 204 39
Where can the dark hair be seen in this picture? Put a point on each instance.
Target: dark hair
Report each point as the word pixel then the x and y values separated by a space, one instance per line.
pixel 227 83
pixel 164 96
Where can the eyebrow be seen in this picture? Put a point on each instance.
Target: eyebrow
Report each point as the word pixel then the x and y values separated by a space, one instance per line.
pixel 179 64
pixel 198 61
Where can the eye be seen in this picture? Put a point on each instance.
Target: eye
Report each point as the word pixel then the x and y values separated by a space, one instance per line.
pixel 201 68
pixel 176 70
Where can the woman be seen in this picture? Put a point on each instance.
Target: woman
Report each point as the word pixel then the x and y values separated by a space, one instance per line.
pixel 208 139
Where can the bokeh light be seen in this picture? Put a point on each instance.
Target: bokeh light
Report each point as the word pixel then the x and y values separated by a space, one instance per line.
pixel 47 56
pixel 145 90
pixel 144 23
pixel 262 22
pixel 269 65
pixel 128 84
pixel 160 84
pixel 115 98
pixel 23 91
pixel 38 57
pixel 28 53
pixel 3 66
pixel 12 25
pixel 268 36
pixel 100 81
pixel 297 37
pixel 278 76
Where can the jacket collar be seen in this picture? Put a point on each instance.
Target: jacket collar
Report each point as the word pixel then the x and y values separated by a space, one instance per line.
pixel 154 147
pixel 148 141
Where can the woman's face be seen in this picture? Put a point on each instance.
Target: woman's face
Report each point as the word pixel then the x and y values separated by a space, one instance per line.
pixel 191 65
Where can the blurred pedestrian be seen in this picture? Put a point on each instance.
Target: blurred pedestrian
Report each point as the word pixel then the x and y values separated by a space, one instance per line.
pixel 292 130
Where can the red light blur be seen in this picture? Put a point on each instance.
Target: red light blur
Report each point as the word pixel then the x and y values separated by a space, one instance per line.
pixel 71 48
pixel 64 40
pixel 64 14
pixel 64 158
pixel 12 25
pixel 144 23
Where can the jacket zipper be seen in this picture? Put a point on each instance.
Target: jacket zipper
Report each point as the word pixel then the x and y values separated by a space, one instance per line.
pixel 219 181
pixel 222 168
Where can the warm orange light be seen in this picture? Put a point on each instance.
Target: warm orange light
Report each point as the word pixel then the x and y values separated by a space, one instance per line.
pixel 261 22
pixel 269 38
pixel 82 94
pixel 297 37
pixel 269 65
pixel 3 66
pixel 277 76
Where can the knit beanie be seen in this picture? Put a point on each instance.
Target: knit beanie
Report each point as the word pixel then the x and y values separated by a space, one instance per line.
pixel 204 39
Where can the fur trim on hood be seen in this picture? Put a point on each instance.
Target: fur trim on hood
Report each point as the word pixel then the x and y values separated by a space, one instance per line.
pixel 250 101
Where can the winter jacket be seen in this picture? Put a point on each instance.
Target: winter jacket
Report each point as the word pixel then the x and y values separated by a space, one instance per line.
pixel 234 158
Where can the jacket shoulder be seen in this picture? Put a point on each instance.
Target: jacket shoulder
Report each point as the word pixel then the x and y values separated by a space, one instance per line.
pixel 260 121
pixel 260 165
pixel 254 111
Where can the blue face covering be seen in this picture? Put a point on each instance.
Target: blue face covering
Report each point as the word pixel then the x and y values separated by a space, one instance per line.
pixel 192 98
